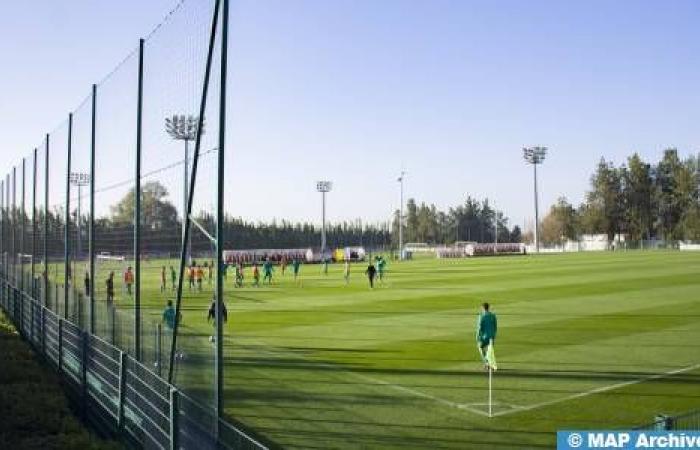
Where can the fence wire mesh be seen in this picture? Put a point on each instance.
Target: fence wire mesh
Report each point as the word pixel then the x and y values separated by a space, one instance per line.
pixel 75 199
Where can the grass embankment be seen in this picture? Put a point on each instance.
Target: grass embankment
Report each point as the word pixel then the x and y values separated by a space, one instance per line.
pixel 34 411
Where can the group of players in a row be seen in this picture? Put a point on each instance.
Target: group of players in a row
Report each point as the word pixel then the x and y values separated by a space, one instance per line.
pixel 196 274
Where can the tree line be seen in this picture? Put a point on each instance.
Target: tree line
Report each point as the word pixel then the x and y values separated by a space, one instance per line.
pixel 640 200
pixel 474 220
pixel 161 230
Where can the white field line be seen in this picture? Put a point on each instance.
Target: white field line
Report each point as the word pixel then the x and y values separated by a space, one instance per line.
pixel 469 406
pixel 598 390
pixel 400 388
pixel 377 381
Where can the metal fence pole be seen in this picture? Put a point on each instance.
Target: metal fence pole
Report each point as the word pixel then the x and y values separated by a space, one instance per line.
pixel 31 322
pixel 137 212
pixel 190 191
pixel 122 388
pixel 13 217
pixel 2 234
pixel 174 418
pixel 43 330
pixel 113 319
pixel 91 224
pixel 6 227
pixel 220 222
pixel 66 249
pixel 45 275
pixel 159 349
pixel 83 369
pixel 34 221
pixel 60 343
pixel 23 225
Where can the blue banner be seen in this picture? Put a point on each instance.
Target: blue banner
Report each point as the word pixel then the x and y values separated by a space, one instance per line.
pixel 583 440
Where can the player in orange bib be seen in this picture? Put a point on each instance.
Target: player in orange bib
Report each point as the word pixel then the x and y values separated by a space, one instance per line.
pixel 200 277
pixel 128 279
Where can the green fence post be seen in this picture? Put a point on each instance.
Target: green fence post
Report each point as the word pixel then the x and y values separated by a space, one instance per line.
pixel 45 275
pixel 13 218
pixel 60 344
pixel 174 418
pixel 23 225
pixel 159 349
pixel 190 190
pixel 2 233
pixel 137 212
pixel 33 288
pixel 66 250
pixel 83 369
pixel 43 330
pixel 91 224
pixel 122 388
pixel 220 221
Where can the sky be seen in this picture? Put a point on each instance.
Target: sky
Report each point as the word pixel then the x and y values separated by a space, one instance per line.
pixel 357 91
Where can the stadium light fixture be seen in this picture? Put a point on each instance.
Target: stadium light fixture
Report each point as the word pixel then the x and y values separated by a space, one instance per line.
pixel 323 187
pixel 535 156
pixel 79 179
pixel 400 180
pixel 184 128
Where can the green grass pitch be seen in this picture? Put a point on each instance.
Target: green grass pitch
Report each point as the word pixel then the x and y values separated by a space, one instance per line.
pixel 595 340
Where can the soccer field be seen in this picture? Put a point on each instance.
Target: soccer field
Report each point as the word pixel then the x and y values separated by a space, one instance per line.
pixel 596 340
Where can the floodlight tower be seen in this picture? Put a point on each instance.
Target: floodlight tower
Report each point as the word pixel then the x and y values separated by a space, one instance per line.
pixel 400 180
pixel 323 187
pixel 184 128
pixel 79 179
pixel 535 156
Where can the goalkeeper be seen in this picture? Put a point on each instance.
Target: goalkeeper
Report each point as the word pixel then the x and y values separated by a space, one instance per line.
pixel 487 326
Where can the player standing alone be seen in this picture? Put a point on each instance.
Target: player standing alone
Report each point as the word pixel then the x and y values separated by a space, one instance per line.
pixel 211 315
pixel 110 289
pixel 162 279
pixel 346 272
pixel 487 326
pixel 371 273
pixel 128 279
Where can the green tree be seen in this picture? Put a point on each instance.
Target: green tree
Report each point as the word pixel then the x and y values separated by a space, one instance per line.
pixel 560 223
pixel 669 176
pixel 606 198
pixel 516 235
pixel 638 198
pixel 156 211
pixel 411 222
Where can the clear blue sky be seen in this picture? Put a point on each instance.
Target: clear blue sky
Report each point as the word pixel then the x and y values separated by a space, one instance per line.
pixel 354 91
